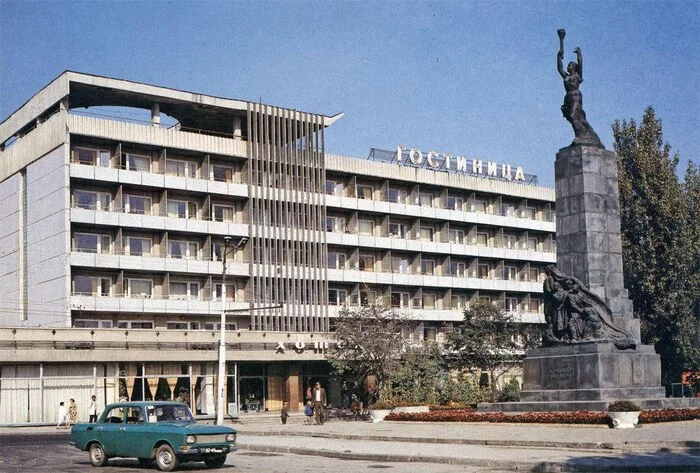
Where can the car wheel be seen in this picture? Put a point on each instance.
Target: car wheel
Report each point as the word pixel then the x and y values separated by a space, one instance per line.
pixel 215 461
pixel 98 457
pixel 166 460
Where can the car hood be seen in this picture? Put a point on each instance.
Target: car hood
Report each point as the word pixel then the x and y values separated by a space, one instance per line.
pixel 196 428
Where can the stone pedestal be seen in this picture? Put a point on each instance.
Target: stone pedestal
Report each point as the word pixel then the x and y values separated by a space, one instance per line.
pixel 589 245
pixel 591 372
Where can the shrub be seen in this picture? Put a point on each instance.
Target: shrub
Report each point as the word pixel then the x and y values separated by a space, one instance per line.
pixel 623 406
pixel 510 392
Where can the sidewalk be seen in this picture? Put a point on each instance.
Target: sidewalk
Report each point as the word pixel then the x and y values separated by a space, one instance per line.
pixel 524 447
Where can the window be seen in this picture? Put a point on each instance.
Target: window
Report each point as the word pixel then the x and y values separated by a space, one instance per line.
pixel 136 288
pixel 88 323
pixel 398 230
pixel 430 334
pixel 535 305
pixel 457 237
pixel 184 290
pixel 135 162
pixel 455 203
pixel 366 227
pixel 217 327
pixel 91 157
pixel 509 241
pixel 426 233
pixel 91 243
pixel 510 273
pixel 184 326
pixel 531 213
pixel 429 301
pixel 483 271
pixel 336 260
pixel 508 210
pixel 223 213
pixel 400 265
pixel 137 246
pixel 182 209
pixel 398 196
pixel 335 224
pixel 400 299
pixel 222 173
pixel 92 286
pixel 534 274
pixel 365 192
pixel 511 304
pixel 181 168
pixel 425 199
pixel 183 249
pixel 458 302
pixel 230 292
pixel 427 267
pixel 479 206
pixel 366 263
pixel 457 268
pixel 368 298
pixel 337 296
pixel 91 200
pixel 334 187
pixel 482 239
pixel 133 324
pixel 137 204
pixel 532 243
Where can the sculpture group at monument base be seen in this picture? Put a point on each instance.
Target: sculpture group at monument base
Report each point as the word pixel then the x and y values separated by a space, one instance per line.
pixel 588 376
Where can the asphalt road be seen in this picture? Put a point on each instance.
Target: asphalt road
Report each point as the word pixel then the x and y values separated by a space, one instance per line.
pixel 49 452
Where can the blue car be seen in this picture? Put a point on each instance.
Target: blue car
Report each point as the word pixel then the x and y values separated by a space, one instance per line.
pixel 162 432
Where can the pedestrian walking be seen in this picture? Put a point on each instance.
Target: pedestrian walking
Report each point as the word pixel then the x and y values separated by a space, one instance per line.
pixel 309 412
pixel 72 413
pixel 319 398
pixel 92 410
pixel 284 414
pixel 62 415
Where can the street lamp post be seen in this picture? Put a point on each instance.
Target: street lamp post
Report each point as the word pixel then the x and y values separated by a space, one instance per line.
pixel 222 335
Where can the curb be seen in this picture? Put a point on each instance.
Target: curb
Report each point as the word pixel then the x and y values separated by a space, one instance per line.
pixel 543 466
pixel 595 446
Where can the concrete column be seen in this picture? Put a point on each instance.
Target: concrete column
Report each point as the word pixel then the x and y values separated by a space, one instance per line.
pixel 237 134
pixel 155 115
pixel 293 388
pixel 63 104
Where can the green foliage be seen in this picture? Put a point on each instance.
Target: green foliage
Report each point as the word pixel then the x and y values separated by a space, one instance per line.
pixel 623 406
pixel 465 390
pixel 419 376
pixel 373 342
pixel 510 392
pixel 660 235
pixel 485 339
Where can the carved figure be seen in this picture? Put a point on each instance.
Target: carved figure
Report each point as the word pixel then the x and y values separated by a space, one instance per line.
pixel 573 100
pixel 574 314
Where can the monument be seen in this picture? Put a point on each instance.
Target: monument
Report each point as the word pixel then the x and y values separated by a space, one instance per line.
pixel 591 352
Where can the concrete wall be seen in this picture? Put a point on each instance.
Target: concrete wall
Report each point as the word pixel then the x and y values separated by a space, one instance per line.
pixel 9 250
pixel 48 238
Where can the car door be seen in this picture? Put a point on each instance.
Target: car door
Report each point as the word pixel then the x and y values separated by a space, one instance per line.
pixel 130 438
pixel 107 431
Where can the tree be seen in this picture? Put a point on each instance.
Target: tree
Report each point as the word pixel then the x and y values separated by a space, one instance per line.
pixel 372 342
pixel 486 339
pixel 660 242
pixel 421 375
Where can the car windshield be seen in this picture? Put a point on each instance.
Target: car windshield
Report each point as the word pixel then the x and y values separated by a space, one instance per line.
pixel 169 413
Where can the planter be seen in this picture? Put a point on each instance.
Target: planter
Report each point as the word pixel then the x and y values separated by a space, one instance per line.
pixel 624 420
pixel 378 415
pixel 410 409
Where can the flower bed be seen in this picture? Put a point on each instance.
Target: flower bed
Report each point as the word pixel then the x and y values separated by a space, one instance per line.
pixel 574 417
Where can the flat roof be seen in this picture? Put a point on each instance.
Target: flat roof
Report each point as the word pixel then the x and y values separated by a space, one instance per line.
pixel 191 109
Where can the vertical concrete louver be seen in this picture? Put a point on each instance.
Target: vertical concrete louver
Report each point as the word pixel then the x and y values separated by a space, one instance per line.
pixel 287 225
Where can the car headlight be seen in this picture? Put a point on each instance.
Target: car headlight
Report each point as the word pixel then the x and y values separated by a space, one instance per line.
pixel 231 438
pixel 190 439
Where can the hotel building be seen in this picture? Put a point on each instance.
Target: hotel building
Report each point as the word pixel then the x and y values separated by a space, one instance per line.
pixel 112 236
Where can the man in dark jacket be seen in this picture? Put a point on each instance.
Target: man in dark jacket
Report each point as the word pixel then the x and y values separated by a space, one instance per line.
pixel 318 397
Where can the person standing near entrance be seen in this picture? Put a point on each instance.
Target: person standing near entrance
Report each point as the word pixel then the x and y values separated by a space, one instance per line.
pixel 92 410
pixel 318 395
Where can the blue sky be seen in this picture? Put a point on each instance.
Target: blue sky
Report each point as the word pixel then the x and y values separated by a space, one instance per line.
pixel 472 78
